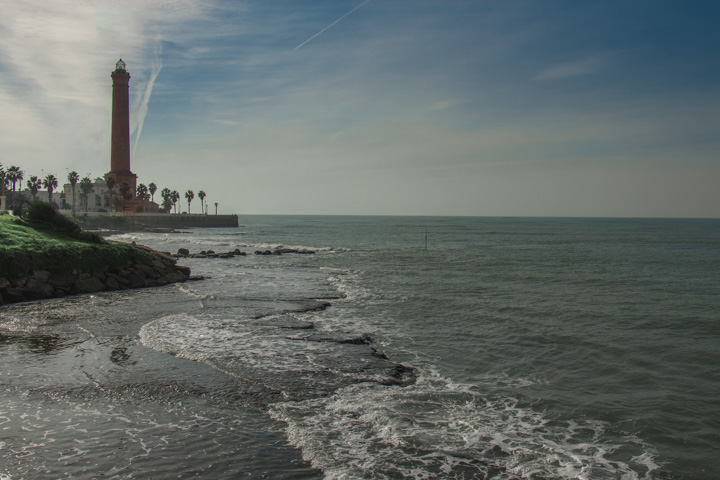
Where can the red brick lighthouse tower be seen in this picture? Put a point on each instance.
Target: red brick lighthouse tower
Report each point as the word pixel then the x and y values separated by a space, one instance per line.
pixel 120 143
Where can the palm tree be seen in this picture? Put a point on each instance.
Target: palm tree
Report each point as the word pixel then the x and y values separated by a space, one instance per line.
pixel 174 196
pixel 165 193
pixel 152 188
pixel 34 184
pixel 110 182
pixel 86 188
pixel 201 196
pixel 125 192
pixel 73 178
pixel 14 174
pixel 50 183
pixel 142 193
pixel 189 195
pixel 3 180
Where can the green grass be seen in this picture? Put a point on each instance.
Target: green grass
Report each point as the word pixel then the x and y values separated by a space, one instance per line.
pixel 54 251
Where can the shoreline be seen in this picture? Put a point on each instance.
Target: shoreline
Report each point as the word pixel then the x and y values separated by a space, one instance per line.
pixel 87 375
pixel 82 395
pixel 148 269
pixel 49 256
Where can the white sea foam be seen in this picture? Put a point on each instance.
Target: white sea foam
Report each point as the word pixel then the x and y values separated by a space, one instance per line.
pixel 435 428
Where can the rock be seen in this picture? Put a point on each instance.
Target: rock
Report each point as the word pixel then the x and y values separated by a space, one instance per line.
pixel 158 264
pixel 62 291
pixel 111 283
pixel 35 290
pixel 183 252
pixel 99 274
pixel 363 339
pixel 61 280
pixel 23 261
pixel 399 375
pixel 174 277
pixel 185 271
pixel 295 250
pixel 14 294
pixel 41 275
pixel 120 279
pixel 88 285
pixel 148 271
pixel 4 283
pixel 136 279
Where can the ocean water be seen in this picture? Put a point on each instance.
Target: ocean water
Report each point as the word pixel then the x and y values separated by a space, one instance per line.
pixel 470 348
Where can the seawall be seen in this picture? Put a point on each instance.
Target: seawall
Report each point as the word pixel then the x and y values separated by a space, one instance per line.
pixel 164 220
pixel 144 221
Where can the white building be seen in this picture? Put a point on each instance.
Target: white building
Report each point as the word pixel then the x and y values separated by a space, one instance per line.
pixel 40 195
pixel 98 200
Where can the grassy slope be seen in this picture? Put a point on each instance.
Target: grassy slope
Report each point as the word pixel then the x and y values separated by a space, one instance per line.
pixel 54 251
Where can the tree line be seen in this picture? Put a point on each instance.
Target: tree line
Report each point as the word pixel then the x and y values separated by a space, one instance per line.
pixel 13 176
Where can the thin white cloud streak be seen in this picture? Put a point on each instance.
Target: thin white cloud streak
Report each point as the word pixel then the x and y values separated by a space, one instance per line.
pixel 331 25
pixel 142 111
pixel 572 69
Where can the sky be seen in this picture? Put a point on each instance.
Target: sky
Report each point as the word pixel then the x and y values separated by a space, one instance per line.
pixel 378 107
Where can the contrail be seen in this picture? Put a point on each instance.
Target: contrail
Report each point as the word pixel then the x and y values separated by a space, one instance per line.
pixel 333 23
pixel 142 111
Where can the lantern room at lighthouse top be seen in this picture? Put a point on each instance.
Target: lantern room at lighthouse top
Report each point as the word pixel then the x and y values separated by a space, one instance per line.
pixel 120 66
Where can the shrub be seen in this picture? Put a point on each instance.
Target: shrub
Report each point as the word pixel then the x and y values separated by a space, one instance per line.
pixel 88 237
pixel 44 213
pixel 39 211
pixel 63 224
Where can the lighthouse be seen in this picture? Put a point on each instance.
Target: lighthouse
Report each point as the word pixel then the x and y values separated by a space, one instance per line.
pixel 120 142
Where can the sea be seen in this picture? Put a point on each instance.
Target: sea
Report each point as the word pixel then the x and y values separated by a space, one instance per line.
pixel 381 348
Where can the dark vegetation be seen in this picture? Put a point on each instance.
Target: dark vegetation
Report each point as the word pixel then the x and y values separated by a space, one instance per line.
pixel 45 239
pixel 42 215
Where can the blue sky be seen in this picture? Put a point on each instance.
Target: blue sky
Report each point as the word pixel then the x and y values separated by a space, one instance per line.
pixel 513 108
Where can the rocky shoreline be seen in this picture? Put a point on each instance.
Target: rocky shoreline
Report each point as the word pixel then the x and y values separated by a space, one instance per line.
pixel 185 253
pixel 150 270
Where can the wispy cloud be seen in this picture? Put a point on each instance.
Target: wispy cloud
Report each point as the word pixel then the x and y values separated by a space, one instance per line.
pixel 442 105
pixel 142 111
pixel 575 68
